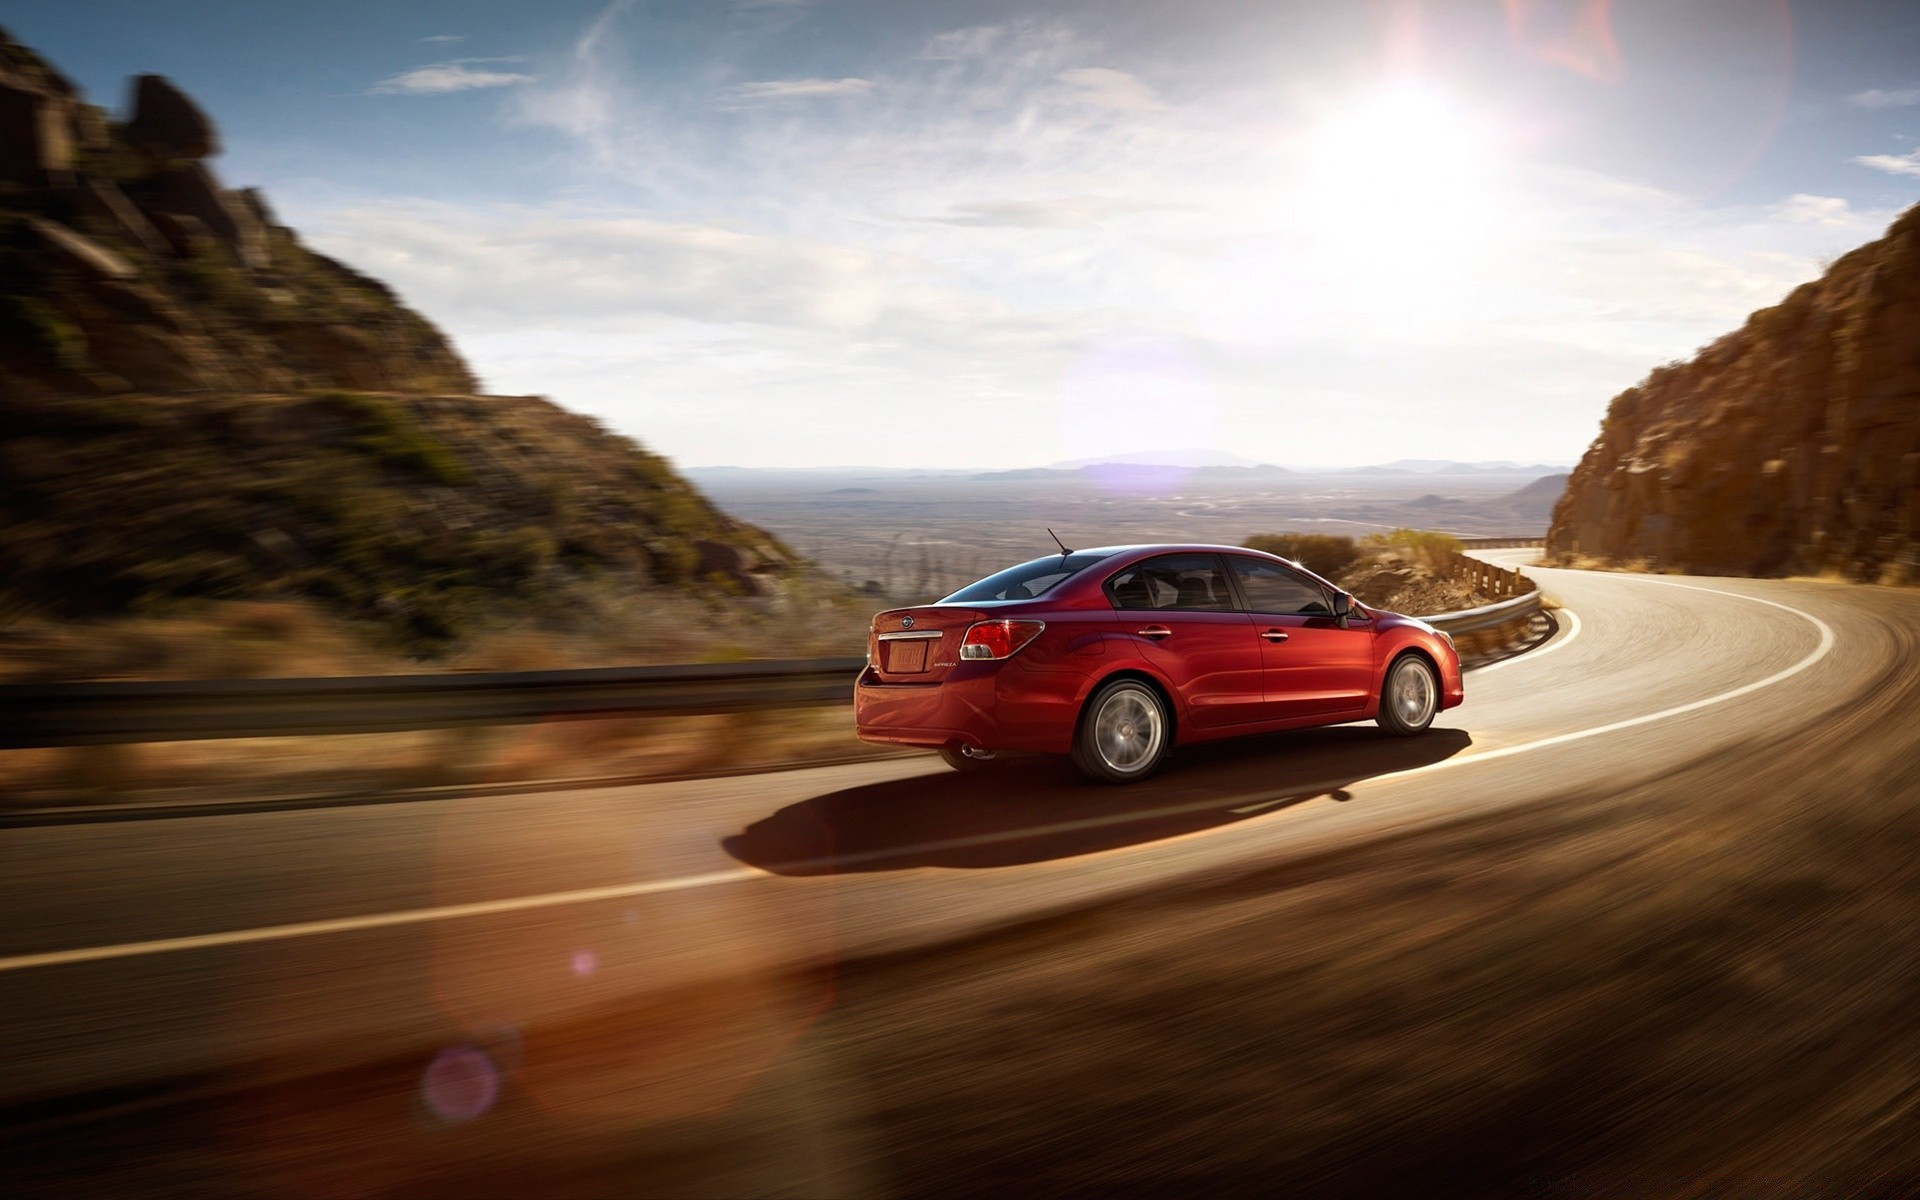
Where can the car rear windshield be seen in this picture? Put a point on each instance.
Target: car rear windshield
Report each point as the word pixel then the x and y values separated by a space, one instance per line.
pixel 1027 580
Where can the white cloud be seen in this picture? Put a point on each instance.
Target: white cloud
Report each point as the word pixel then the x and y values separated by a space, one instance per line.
pixel 755 288
pixel 441 78
pixel 1058 212
pixel 1104 87
pixel 585 266
pixel 444 37
pixel 1892 164
pixel 1819 210
pixel 1882 98
pixel 774 91
pixel 959 44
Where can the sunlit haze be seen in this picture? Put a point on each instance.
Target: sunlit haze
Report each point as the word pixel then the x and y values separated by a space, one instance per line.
pixel 943 235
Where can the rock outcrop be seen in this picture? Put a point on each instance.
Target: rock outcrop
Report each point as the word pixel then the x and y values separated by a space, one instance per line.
pixel 127 266
pixel 35 142
pixel 1791 445
pixel 168 124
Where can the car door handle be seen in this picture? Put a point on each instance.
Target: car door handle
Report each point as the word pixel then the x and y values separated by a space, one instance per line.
pixel 1156 632
pixel 1275 635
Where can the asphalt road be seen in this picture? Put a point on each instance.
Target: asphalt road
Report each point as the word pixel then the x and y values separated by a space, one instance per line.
pixel 168 950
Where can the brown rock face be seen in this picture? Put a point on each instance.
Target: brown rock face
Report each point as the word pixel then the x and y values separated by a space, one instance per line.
pixel 191 191
pixel 167 123
pixel 102 200
pixel 84 254
pixel 135 269
pixel 36 134
pixel 1790 445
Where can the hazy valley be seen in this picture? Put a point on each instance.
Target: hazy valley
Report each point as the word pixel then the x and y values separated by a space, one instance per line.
pixel 911 534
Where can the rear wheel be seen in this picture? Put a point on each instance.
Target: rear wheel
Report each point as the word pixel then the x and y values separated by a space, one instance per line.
pixel 979 760
pixel 1123 733
pixel 1410 698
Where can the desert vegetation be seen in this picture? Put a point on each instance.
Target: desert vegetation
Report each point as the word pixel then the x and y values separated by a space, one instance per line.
pixel 428 523
pixel 1402 570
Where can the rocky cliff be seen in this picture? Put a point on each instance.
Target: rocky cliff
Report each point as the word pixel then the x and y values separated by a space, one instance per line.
pixel 196 407
pixel 125 264
pixel 1790 445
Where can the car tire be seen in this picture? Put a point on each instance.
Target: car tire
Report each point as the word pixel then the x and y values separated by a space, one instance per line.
pixel 1409 696
pixel 1124 733
pixel 970 764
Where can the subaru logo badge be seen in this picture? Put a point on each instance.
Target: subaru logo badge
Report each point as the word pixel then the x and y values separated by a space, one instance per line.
pixel 906 622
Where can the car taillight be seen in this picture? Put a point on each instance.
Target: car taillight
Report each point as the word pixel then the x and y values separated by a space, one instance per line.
pixel 998 639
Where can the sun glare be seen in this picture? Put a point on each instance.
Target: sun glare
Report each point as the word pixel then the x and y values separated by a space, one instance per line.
pixel 1394 185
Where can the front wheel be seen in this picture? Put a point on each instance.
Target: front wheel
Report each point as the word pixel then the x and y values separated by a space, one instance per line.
pixel 1410 698
pixel 1123 733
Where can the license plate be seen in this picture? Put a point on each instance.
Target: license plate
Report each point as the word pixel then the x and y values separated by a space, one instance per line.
pixel 906 658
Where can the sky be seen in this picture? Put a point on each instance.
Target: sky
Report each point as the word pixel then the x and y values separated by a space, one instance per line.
pixel 983 234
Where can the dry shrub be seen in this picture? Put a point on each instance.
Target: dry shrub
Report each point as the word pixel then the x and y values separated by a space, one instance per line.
pixel 1434 551
pixel 1326 555
pixel 235 640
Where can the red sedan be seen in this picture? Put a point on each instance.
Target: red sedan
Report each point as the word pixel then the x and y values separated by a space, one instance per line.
pixel 1115 655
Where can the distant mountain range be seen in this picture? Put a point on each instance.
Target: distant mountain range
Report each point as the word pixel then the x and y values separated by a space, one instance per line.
pixel 1530 506
pixel 1176 464
pixel 1446 466
pixel 1190 457
pixel 1116 469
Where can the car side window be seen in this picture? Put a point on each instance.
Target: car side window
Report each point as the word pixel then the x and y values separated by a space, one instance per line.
pixel 1271 588
pixel 1173 583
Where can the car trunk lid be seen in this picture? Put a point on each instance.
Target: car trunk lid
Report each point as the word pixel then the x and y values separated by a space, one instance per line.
pixel 918 645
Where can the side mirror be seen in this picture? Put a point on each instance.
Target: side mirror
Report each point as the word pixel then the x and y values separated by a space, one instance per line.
pixel 1342 608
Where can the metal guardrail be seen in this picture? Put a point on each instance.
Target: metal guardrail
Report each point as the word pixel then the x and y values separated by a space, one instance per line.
pixel 1511 614
pixel 94 714
pixel 36 716
pixel 1491 616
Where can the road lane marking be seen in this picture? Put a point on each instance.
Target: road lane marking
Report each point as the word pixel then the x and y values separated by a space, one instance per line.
pixel 444 912
pixel 1573 631
pixel 448 912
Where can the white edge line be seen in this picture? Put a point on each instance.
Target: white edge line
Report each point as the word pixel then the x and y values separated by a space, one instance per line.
pixel 445 912
pixel 483 908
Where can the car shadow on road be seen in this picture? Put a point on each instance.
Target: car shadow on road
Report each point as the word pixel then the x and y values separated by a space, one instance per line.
pixel 1035 810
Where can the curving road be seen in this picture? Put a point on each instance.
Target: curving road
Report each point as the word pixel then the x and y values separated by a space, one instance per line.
pixel 166 950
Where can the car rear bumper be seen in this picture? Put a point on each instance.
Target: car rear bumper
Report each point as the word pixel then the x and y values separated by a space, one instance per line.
pixel 985 705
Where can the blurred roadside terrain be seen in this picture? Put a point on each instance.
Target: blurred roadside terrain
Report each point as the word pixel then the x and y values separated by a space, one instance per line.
pixel 1789 446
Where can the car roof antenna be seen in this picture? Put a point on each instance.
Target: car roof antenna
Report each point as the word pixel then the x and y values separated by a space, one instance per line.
pixel 1056 541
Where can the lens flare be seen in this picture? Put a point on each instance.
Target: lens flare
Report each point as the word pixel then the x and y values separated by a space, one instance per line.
pixel 1147 406
pixel 1575 34
pixel 460 1084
